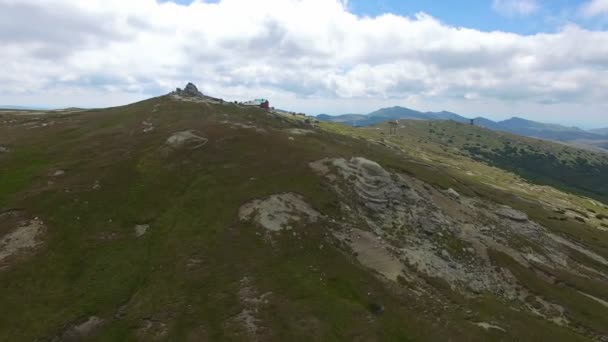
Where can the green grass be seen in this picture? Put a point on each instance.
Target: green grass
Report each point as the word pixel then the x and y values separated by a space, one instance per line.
pixel 92 264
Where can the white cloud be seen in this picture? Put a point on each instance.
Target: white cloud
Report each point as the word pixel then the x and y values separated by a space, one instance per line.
pixel 595 8
pixel 304 54
pixel 515 7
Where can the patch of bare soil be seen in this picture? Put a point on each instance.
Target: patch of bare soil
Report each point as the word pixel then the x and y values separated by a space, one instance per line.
pixel 278 212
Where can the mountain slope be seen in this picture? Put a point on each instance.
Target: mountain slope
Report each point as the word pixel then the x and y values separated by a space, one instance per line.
pixel 541 162
pixel 601 131
pixel 540 130
pixel 514 125
pixel 180 218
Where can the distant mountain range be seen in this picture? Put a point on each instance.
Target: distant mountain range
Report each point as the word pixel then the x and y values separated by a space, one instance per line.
pixel 601 131
pixel 597 138
pixel 392 113
pixel 22 107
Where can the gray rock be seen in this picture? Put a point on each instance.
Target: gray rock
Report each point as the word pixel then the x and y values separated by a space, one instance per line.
pixel 141 229
pixel 452 193
pixel 4 149
pixel 445 254
pixel 186 139
pixel 58 173
pixel 485 229
pixel 512 214
pixel 83 330
pixel 192 90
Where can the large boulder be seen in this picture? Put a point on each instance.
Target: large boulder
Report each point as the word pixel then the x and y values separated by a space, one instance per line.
pixel 186 139
pixel 192 90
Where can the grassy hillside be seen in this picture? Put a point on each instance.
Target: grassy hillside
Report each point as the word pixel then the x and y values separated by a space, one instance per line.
pixel 541 162
pixel 142 240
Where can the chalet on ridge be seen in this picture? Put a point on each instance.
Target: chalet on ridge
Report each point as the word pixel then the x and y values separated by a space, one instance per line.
pixel 262 103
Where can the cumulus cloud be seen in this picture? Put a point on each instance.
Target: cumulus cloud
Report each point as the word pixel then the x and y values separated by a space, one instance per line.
pixel 298 52
pixel 515 7
pixel 595 8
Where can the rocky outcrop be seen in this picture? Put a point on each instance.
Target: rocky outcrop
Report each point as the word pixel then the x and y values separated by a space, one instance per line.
pixel 278 212
pixel 27 236
pixel 190 91
pixel 408 230
pixel 512 214
pixel 185 139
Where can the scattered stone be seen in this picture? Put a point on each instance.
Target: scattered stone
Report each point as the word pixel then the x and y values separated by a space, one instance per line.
pixel 59 173
pixel 445 254
pixel 488 326
pixel 152 329
pixel 300 131
pixel 453 194
pixel 278 212
pixel 108 236
pixel 186 139
pixel 511 214
pixel 148 127
pixel 291 138
pixel 141 229
pixel 4 149
pixel 96 185
pixel 252 302
pixel 82 331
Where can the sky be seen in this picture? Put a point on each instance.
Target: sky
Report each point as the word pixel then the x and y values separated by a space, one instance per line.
pixel 539 59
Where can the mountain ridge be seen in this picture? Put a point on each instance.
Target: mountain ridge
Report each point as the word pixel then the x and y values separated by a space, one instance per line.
pixel 517 125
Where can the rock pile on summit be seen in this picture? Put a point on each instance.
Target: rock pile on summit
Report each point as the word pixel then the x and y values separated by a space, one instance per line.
pixel 190 90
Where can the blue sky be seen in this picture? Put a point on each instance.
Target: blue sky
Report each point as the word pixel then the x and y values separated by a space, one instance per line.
pixel 538 59
pixel 480 14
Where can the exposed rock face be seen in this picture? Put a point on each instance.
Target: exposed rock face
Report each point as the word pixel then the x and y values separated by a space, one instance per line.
pixel 391 219
pixel 512 214
pixel 279 212
pixel 26 236
pixel 190 91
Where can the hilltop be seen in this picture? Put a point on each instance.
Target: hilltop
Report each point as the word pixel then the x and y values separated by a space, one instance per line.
pixel 184 217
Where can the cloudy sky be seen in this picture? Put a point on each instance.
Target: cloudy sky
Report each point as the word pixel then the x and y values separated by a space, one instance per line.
pixel 540 59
